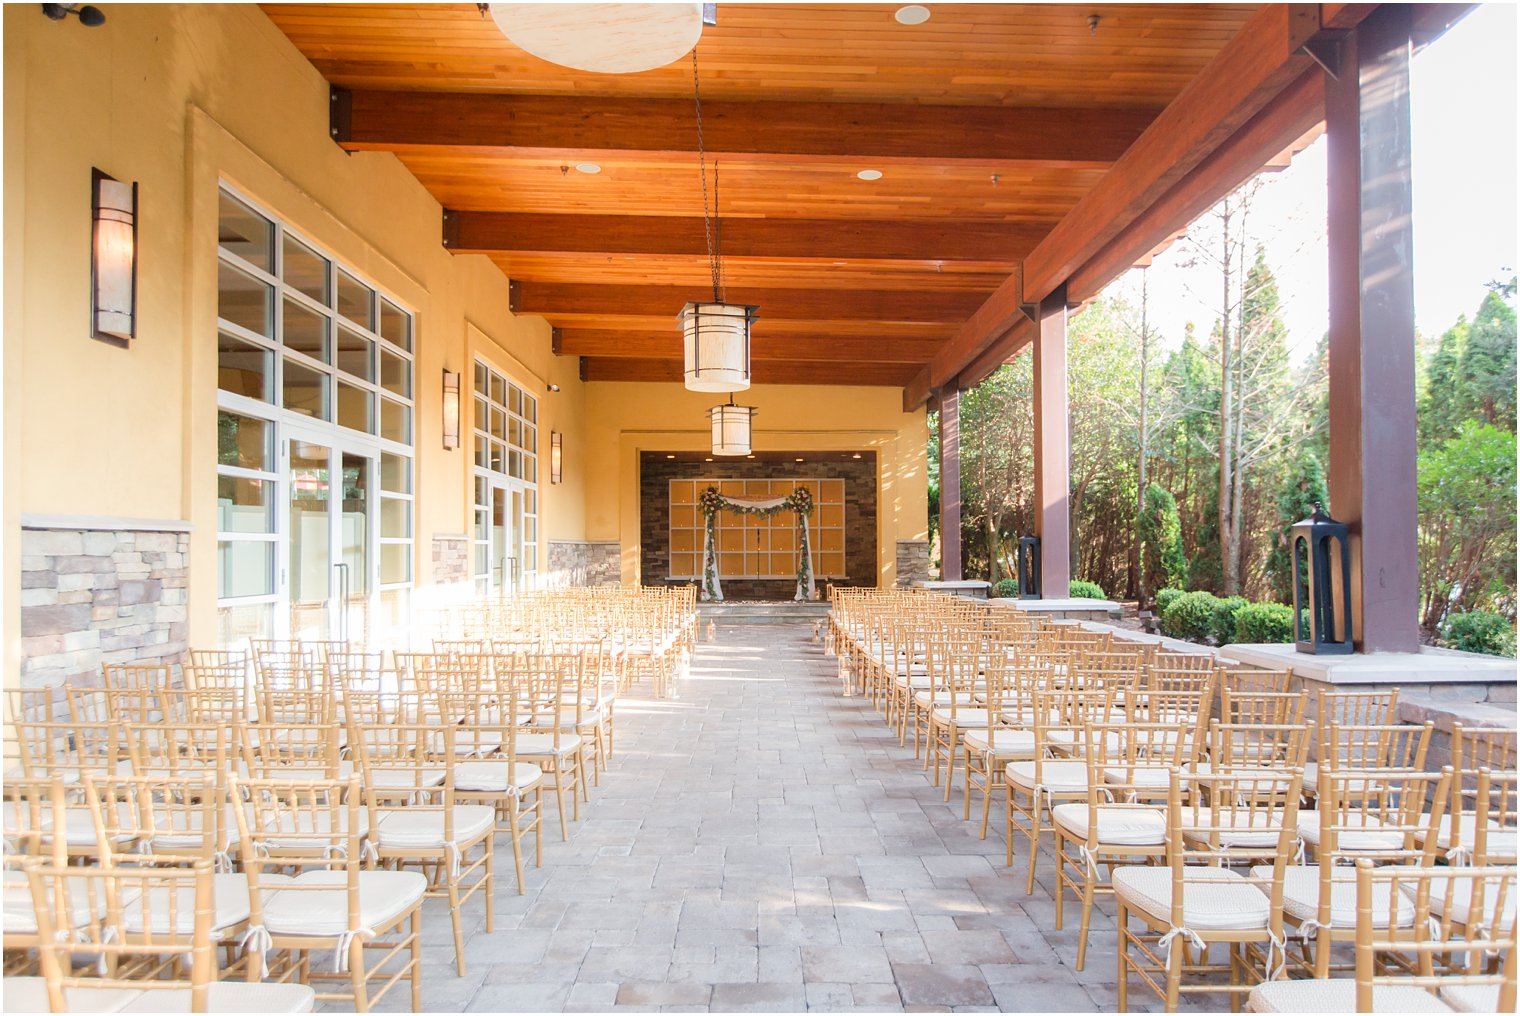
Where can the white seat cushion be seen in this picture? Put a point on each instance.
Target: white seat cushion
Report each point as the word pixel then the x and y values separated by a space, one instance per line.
pixel 230 996
pixel 20 917
pixel 1301 896
pixel 1471 997
pixel 1238 829
pixel 1362 832
pixel 1338 995
pixel 230 907
pixel 1127 827
pixel 964 717
pixel 1148 779
pixel 29 994
pixel 1501 842
pixel 405 778
pixel 1213 899
pixel 942 698
pixel 1461 893
pixel 1056 776
pixel 422 828
pixel 543 744
pixel 383 895
pixel 1006 743
pixel 490 776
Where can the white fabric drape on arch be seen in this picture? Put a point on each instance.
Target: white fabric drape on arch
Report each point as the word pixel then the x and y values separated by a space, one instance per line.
pixel 712 587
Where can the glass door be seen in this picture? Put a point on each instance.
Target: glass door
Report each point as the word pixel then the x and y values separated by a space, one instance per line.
pixel 330 578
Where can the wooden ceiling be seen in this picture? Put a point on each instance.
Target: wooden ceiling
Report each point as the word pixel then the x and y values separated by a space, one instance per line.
pixel 989 123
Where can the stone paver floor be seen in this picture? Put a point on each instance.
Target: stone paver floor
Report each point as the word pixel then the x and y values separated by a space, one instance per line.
pixel 763 843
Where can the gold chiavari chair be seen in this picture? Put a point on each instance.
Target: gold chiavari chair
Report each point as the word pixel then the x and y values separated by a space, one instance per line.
pixel 1008 735
pixel 299 751
pixel 1204 895
pixel 1054 771
pixel 547 686
pixel 1345 709
pixel 146 677
pixel 368 920
pixel 1473 749
pixel 34 806
pixel 962 704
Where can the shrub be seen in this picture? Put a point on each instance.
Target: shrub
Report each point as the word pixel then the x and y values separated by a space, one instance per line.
pixel 1189 616
pixel 1006 587
pixel 1264 622
pixel 1160 532
pixel 1087 591
pixel 1479 631
pixel 1222 620
pixel 1164 599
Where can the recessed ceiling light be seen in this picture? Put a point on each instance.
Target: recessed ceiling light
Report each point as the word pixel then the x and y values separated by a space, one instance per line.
pixel 589 168
pixel 707 460
pixel 799 460
pixel 670 456
pixel 870 174
pixel 855 456
pixel 913 14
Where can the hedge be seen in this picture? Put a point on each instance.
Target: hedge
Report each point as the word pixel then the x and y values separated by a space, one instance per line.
pixel 1222 620
pixel 1479 631
pixel 1264 622
pixel 1189 616
pixel 1005 587
pixel 1087 591
pixel 1164 599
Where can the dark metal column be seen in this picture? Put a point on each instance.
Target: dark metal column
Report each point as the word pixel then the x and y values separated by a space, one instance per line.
pixel 1052 448
pixel 950 484
pixel 1372 350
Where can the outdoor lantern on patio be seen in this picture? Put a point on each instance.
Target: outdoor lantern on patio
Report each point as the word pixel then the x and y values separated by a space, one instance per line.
pixel 1321 585
pixel 1029 567
pixel 113 259
pixel 731 428
pixel 717 346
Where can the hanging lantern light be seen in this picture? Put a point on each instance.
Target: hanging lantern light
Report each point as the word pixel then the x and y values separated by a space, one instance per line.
pixel 717 346
pixel 732 427
pixel 715 332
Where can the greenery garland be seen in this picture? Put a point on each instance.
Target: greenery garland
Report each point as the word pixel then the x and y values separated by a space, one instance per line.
pixel 711 502
pixel 800 500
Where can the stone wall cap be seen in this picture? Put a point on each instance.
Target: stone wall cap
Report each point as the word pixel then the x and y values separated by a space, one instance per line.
pixel 104 523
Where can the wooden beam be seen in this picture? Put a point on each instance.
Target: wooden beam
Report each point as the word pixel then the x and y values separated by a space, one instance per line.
pixel 950 485
pixel 821 305
pixel 1244 78
pixel 764 345
pixel 475 232
pixel 409 121
pixel 596 368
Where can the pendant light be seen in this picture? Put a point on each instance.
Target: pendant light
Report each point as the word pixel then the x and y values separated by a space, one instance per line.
pixel 617 38
pixel 715 333
pixel 732 427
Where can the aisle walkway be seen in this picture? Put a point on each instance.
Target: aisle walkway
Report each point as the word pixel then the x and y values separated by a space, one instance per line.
pixel 762 843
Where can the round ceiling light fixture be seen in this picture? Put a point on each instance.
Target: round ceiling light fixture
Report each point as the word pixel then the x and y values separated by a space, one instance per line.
pixel 870 174
pixel 913 14
pixel 604 38
pixel 589 168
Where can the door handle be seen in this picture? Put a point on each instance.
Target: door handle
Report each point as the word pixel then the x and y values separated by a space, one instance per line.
pixel 342 569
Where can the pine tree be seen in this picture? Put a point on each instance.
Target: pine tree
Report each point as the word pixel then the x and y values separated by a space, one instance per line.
pixel 1486 367
pixel 1303 487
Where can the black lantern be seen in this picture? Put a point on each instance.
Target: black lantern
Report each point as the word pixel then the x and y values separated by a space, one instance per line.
pixel 1029 567
pixel 1321 585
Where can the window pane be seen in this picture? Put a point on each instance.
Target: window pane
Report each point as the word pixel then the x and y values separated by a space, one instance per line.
pixel 395 421
pixel 482 490
pixel 483 453
pixel 395 325
pixel 356 301
pixel 530 408
pixel 242 441
pixel 530 438
pixel 514 399
pixel 482 381
pixel 305 390
pixel 514 432
pixel 498 456
pixel 395 562
pixel 530 502
pixel 243 368
pixel 482 414
pixel 396 374
pixel 395 473
pixel 235 624
pixel 245 232
pixel 305 331
pixel 244 300
pixel 498 390
pixel 395 518
pixel 243 506
pixel 306 270
pixel 498 425
pixel 355 408
pixel 530 468
pixel 245 567
pixel 356 354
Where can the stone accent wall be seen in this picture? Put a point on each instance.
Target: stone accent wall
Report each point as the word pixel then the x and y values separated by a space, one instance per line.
pixel 451 559
pixel 912 562
pixel 584 563
pixel 859 475
pixel 91 596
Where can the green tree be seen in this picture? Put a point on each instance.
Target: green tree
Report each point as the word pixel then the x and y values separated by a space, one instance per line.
pixel 1487 365
pixel 1467 522
pixel 1164 565
pixel 1303 487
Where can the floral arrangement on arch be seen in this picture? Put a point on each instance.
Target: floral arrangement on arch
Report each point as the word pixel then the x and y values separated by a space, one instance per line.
pixel 711 502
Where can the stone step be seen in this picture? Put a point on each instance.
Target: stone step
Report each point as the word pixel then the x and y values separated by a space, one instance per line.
pixel 779 612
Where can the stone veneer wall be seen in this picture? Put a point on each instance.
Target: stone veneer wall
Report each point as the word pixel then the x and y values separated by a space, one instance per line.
pixel 100 592
pixel 584 563
pixel 912 562
pixel 859 475
pixel 451 559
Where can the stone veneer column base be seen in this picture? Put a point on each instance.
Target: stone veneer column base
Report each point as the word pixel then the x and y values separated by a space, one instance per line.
pixel 100 590
pixel 585 563
pixel 912 562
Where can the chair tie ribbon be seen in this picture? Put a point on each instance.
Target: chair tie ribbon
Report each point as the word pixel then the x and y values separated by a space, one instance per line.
pixel 1169 940
pixel 256 941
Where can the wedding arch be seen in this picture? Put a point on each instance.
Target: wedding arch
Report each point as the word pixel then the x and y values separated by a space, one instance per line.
pixel 711 501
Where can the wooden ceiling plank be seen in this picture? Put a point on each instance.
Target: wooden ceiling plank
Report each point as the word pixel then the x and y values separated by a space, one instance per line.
pixel 1263 59
pixel 820 347
pixel 409 121
pixel 557 300
pixel 890 375
pixel 925 240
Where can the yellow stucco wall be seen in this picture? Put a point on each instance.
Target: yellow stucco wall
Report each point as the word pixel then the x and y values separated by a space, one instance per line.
pixel 176 97
pixel 624 419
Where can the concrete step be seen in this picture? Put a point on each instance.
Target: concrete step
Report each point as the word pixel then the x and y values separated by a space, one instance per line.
pixel 779 612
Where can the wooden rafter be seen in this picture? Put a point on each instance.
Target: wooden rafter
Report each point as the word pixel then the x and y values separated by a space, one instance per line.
pixel 567 301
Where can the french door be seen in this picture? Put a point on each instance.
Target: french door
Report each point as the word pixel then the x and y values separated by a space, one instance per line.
pixel 331 570
pixel 504 557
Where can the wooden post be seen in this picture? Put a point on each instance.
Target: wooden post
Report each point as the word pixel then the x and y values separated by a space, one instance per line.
pixel 1372 350
pixel 950 484
pixel 1052 448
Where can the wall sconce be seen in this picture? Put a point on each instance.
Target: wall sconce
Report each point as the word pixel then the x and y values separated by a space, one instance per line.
pixel 450 408
pixel 556 456
pixel 113 259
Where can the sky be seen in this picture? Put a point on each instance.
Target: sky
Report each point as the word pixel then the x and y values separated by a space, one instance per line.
pixel 1465 213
